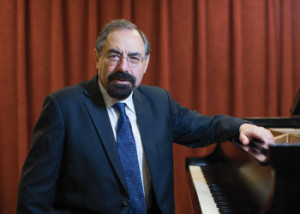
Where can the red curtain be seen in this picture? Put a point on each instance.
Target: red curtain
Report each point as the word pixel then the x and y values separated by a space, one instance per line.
pixel 236 57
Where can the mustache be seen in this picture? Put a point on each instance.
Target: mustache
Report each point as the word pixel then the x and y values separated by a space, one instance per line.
pixel 119 75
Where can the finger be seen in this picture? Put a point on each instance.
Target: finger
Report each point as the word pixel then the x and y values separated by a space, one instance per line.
pixel 244 139
pixel 268 137
pixel 265 135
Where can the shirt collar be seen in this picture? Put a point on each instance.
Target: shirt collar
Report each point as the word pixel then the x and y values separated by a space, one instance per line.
pixel 110 101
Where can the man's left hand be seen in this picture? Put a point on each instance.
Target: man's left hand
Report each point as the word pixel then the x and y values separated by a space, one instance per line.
pixel 249 132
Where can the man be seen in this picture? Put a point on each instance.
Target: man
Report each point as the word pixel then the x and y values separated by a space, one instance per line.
pixel 79 161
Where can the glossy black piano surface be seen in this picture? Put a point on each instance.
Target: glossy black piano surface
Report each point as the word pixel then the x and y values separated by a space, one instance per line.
pixel 251 179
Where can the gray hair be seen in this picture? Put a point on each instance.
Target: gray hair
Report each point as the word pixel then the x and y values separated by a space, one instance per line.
pixel 119 24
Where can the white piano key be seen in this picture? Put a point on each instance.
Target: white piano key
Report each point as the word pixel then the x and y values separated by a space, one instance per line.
pixel 206 201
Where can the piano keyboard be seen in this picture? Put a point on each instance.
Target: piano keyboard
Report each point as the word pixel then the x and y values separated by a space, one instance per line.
pixel 218 191
pixel 207 203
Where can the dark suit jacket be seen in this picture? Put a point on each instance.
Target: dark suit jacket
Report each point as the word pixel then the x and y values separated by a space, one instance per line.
pixel 73 164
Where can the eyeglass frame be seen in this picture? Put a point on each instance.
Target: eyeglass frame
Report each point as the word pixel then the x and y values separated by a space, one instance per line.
pixel 119 54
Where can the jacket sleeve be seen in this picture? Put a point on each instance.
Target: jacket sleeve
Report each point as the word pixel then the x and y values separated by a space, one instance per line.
pixel 41 168
pixel 193 129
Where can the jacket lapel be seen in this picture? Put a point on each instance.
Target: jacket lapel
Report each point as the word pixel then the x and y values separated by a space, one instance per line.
pixel 145 120
pixel 97 110
pixel 99 116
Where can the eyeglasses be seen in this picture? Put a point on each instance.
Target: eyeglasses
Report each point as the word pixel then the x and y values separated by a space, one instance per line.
pixel 114 59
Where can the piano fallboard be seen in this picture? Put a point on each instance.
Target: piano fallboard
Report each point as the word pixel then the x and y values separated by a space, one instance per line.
pixel 239 180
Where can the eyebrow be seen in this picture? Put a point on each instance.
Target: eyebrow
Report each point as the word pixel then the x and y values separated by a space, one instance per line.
pixel 112 50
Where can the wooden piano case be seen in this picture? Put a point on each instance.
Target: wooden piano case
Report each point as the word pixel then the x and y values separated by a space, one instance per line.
pixel 253 179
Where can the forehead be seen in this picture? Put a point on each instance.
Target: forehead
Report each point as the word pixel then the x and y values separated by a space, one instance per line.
pixel 125 40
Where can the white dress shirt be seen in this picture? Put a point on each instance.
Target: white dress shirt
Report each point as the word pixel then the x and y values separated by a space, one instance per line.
pixel 131 114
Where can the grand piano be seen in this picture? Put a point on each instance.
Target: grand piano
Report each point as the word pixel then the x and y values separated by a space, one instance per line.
pixel 250 179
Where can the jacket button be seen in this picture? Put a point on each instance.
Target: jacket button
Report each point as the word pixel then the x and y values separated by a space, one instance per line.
pixel 126 203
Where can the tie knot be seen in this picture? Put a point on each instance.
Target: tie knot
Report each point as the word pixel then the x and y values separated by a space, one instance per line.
pixel 120 107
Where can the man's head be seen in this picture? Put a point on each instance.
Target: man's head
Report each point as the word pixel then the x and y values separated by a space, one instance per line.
pixel 122 55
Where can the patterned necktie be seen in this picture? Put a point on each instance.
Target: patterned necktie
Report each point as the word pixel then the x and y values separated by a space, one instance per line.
pixel 129 161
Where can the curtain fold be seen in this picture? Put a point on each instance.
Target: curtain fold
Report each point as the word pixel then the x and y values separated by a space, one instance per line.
pixel 200 55
pixel 272 63
pixel 57 48
pixel 20 83
pixel 236 57
pixel 286 57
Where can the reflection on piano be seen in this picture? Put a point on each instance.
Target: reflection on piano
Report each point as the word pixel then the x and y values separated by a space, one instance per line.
pixel 250 179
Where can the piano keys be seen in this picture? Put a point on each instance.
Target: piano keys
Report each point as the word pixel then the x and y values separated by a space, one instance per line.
pixel 250 179
pixel 203 192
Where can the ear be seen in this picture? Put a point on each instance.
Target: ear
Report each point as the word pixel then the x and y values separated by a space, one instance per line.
pixel 146 63
pixel 96 57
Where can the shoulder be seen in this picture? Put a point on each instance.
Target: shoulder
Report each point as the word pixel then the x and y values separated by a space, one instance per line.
pixel 70 97
pixel 69 90
pixel 154 96
pixel 75 92
pixel 150 91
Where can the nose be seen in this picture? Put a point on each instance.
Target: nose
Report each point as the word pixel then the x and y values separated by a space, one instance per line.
pixel 123 65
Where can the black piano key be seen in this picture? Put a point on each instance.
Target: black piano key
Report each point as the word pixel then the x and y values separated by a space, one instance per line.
pixel 226 191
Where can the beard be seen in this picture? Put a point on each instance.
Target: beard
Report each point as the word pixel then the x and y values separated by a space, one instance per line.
pixel 117 90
